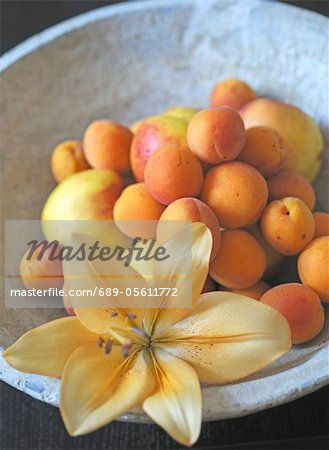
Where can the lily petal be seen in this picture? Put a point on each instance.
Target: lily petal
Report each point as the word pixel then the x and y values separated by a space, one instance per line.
pixel 96 307
pixel 177 403
pixel 188 291
pixel 97 388
pixel 228 336
pixel 45 349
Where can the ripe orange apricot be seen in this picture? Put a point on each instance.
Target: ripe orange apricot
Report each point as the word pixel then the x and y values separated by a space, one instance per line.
pixel 301 133
pixel 313 266
pixel 152 134
pixel 264 149
pixel 216 135
pixel 68 158
pixel 240 261
pixel 288 225
pixel 232 92
pixel 41 274
pixel 194 210
pixel 301 307
pixel 172 173
pixel 236 192
pixel 290 183
pixel 136 204
pixel 107 145
pixel 321 224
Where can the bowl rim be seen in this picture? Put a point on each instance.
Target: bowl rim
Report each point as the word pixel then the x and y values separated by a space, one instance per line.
pixel 313 373
pixel 51 33
pixel 231 404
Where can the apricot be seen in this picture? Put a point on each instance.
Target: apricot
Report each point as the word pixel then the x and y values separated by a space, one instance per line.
pixel 134 205
pixel 288 225
pixel 85 196
pixel 107 145
pixel 232 92
pixel 301 307
pixel 194 210
pixel 274 259
pixel 182 112
pixel 173 173
pixel 264 149
pixel 153 133
pixel 300 132
pixel 68 158
pixel 255 291
pixel 44 273
pixel 289 183
pixel 209 285
pixel 321 224
pixel 240 261
pixel 236 192
pixel 216 135
pixel 313 266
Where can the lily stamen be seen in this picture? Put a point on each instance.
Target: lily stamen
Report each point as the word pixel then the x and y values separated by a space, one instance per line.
pixel 125 349
pixel 100 342
pixel 131 315
pixel 140 332
pixel 108 347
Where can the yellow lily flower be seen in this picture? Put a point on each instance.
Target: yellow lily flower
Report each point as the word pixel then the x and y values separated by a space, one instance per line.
pixel 111 361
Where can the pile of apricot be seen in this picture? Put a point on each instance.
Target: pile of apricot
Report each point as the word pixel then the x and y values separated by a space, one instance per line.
pixel 243 166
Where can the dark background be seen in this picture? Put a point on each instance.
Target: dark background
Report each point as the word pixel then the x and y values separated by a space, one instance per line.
pixel 31 425
pixel 21 19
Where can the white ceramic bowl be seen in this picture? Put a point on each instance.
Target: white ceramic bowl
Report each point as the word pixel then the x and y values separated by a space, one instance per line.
pixel 131 60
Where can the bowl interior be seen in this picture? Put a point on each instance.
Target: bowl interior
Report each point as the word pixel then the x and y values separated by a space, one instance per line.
pixel 131 61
